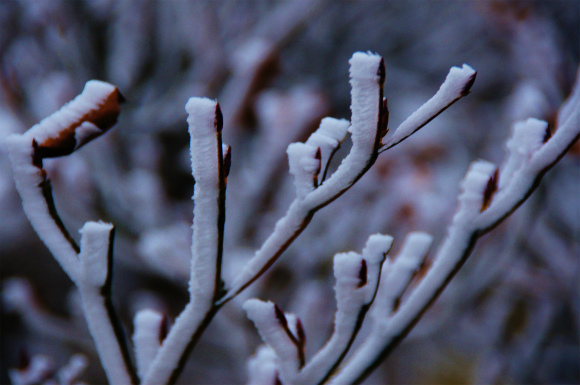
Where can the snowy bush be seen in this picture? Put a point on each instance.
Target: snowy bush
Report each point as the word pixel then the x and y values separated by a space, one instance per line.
pixel 273 251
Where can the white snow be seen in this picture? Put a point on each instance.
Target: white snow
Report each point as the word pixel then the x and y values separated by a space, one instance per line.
pixel 350 298
pixel 146 338
pixel 527 137
pixel 71 114
pixel 95 244
pixel 263 367
pixel 327 138
pixel 263 314
pixel 397 275
pixel 303 166
pixel 452 89
pixel 27 178
pixel 205 161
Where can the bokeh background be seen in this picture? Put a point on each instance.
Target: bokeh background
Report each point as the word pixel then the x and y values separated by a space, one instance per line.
pixel 512 315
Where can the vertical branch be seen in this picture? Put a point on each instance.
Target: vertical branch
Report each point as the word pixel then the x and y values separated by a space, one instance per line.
pixel 209 169
pixel 95 288
pixel 205 125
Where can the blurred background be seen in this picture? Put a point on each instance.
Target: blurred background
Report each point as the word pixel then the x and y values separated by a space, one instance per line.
pixel 512 315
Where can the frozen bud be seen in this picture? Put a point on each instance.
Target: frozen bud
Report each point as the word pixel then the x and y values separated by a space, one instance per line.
pixel 86 117
pixel 303 166
pixel 527 137
pixel 473 188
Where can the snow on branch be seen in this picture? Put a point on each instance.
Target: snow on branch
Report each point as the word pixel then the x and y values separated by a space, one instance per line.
pixel 398 273
pixel 263 367
pixel 149 333
pixel 328 138
pixel 89 266
pixel 367 77
pixel 457 84
pixel 488 195
pixel 95 286
pixel 207 164
pixel 309 161
pixel 161 359
pixel 210 160
pixel 357 278
pixel 275 330
pixel 89 115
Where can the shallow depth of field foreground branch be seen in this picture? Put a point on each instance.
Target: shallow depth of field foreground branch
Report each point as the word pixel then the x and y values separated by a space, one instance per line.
pixel 374 283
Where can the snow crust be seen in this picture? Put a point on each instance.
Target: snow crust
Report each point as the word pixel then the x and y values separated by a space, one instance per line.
pixel 94 252
pixel 146 338
pixel 263 314
pixel 453 88
pixel 204 145
pixel 263 366
pixel 93 96
pixel 28 178
pixel 527 137
pixel 303 166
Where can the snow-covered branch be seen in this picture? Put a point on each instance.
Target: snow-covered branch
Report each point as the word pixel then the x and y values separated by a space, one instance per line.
pixel 89 266
pixel 488 196
pixel 367 129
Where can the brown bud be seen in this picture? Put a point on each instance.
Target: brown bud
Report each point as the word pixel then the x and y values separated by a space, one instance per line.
pixel 219 118
pixel 467 88
pixel 490 190
pixel 281 317
pixel 300 331
pixel 362 274
pixel 103 117
pixel 227 161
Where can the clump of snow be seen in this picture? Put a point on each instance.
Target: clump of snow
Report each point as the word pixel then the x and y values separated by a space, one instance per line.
pixel 73 113
pixel 473 187
pixel 271 329
pixel 304 166
pixel 398 273
pixel 327 138
pixel 456 85
pixel 263 367
pixel 94 255
pixel 147 338
pixel 527 137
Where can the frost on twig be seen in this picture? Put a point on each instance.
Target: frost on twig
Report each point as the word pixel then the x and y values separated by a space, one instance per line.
pixel 89 115
pixel 357 278
pixel 263 367
pixel 488 196
pixel 309 161
pixel 457 84
pixel 161 359
pixel 210 160
pixel 40 369
pixel 149 333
